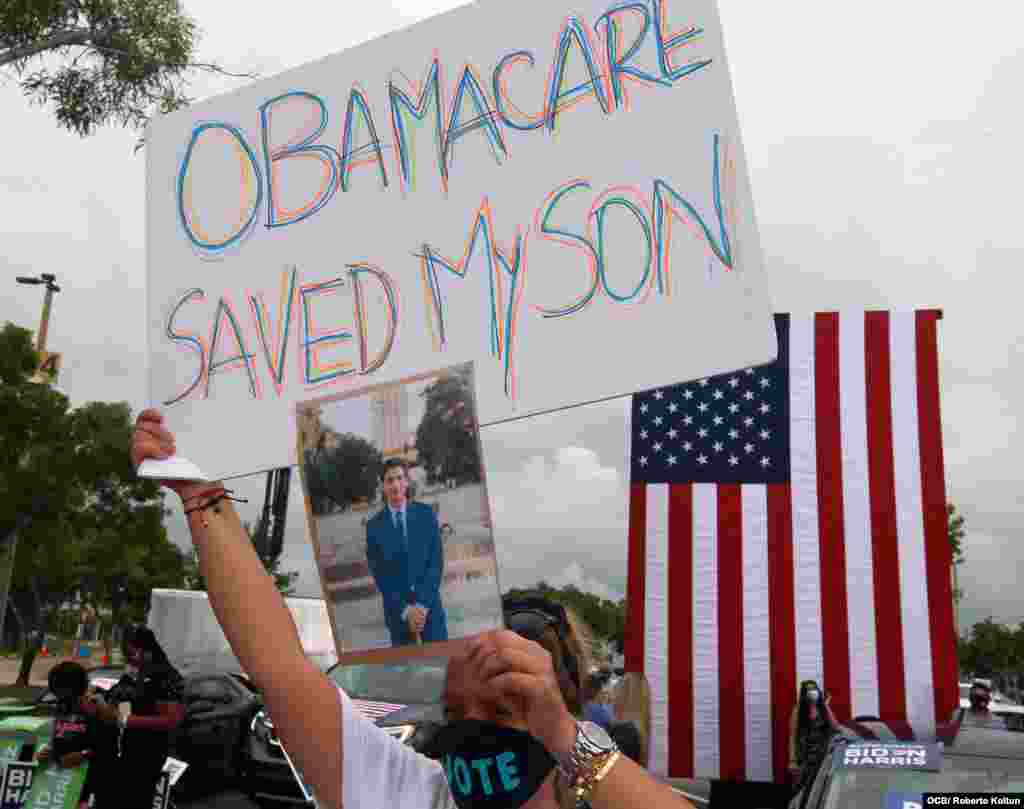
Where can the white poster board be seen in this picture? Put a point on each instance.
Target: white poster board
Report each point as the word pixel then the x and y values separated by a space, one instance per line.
pixel 556 191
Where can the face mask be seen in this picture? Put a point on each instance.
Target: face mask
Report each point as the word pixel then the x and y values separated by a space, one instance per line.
pixel 489 765
pixel 812 696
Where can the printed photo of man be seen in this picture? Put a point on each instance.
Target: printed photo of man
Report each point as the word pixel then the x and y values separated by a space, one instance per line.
pixel 406 559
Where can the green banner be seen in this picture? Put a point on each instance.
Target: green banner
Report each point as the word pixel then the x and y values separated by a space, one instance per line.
pixel 49 786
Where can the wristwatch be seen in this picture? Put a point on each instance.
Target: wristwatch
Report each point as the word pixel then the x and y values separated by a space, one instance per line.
pixel 591 757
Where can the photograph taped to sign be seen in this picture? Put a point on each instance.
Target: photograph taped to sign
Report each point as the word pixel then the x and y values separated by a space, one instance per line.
pixel 889 755
pixel 398 513
pixel 556 192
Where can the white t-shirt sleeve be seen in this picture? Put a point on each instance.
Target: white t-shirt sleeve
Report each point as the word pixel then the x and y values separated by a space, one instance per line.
pixel 379 771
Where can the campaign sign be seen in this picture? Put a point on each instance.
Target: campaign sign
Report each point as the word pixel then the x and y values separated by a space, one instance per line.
pixel 16 784
pixel 903 800
pixel 889 755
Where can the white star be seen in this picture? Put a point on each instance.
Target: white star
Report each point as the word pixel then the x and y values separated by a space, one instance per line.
pixel 643 434
pixel 718 394
pixel 749 372
pixel 748 395
pixel 733 460
pixel 748 421
pixel 766 434
pixel 766 408
pixel 672 460
pixel 687 420
pixel 703 383
pixel 734 382
pixel 703 433
pixel 659 395
pixel 748 448
pixel 673 433
pixel 717 446
pixel 718 421
pixel 643 408
pixel 673 407
pixel 643 462
pixel 687 394
pixel 687 446
pixel 702 459
pixel 765 382
pixel 657 446
pixel 734 434
pixel 765 462
pixel 734 408
pixel 658 421
pixel 703 407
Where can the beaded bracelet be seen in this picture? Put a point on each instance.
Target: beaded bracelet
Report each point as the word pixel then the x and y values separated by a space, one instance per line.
pixel 222 494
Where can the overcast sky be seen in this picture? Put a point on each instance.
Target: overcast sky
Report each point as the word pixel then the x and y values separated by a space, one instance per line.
pixel 883 144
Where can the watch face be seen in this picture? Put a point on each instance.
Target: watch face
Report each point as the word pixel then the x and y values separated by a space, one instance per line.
pixel 597 735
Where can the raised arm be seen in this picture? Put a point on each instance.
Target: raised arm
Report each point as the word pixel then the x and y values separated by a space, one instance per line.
pixel 258 625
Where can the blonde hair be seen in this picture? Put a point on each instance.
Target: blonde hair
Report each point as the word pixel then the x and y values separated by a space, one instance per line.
pixel 633 704
pixel 578 642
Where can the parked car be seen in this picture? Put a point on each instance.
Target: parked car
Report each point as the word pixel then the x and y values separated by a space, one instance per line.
pixel 219 708
pixel 404 699
pixel 877 765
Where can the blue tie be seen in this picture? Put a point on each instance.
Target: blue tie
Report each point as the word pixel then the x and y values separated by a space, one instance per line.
pixel 400 525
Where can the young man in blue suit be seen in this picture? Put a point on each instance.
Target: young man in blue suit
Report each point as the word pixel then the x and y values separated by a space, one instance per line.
pixel 406 558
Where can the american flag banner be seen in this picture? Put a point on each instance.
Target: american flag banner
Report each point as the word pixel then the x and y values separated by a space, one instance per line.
pixel 788 522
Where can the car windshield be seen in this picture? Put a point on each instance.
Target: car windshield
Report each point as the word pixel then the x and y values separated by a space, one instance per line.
pixel 418 682
pixel 871 788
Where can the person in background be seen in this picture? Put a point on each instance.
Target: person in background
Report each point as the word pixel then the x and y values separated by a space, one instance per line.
pixel 811 727
pixel 594 711
pixel 76 735
pixel 978 714
pixel 143 708
pixel 512 738
pixel 633 704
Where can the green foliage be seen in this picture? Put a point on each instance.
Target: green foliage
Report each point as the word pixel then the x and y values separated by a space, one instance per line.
pixel 339 476
pixel 606 619
pixel 84 520
pixel 957 532
pixel 446 440
pixel 101 61
pixel 992 649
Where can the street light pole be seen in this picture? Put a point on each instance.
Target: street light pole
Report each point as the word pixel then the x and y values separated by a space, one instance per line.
pixel 50 281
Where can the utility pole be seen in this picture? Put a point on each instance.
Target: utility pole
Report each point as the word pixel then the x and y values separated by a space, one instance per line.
pixel 7 549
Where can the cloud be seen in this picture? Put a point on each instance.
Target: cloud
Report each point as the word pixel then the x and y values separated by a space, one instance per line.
pixel 559 511
pixel 575 575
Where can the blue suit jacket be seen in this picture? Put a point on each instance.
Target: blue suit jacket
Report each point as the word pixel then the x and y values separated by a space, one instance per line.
pixel 400 572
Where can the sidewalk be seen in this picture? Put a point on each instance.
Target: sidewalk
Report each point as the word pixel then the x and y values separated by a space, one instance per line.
pixel 9 667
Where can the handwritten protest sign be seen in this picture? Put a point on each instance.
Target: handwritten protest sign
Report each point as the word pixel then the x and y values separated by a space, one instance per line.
pixel 555 191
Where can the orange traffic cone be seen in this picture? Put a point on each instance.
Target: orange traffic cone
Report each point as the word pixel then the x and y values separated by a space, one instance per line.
pixel 44 652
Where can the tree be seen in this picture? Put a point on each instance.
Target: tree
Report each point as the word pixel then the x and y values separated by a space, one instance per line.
pixel 992 649
pixel 956 531
pixel 68 489
pixel 446 439
pixel 101 61
pixel 343 469
pixel 606 619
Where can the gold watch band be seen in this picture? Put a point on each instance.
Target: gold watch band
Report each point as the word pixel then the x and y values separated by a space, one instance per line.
pixel 588 779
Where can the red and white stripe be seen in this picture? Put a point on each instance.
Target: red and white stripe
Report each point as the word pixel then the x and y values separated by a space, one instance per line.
pixel 375 710
pixel 842 576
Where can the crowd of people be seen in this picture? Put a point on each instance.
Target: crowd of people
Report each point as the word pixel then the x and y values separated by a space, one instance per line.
pixel 123 734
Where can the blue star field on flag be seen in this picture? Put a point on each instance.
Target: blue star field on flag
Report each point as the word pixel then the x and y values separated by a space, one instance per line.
pixel 732 428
